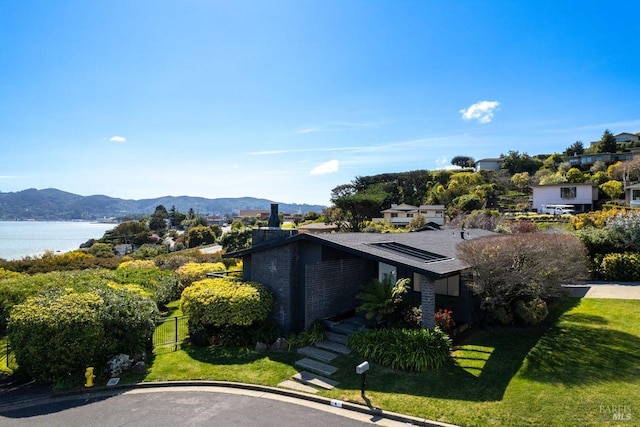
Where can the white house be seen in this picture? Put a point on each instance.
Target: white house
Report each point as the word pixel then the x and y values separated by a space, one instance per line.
pixel 632 195
pixel 492 164
pixel 581 195
pixel 401 215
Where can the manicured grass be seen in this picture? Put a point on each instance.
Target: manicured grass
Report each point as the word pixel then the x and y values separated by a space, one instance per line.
pixel 571 373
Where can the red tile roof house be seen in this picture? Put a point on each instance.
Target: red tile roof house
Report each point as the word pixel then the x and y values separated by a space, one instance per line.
pixel 317 276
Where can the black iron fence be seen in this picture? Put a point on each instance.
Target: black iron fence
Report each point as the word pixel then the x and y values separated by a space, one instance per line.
pixel 169 334
pixel 7 357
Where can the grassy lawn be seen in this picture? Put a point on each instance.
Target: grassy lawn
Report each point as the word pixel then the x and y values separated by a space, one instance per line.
pixel 569 374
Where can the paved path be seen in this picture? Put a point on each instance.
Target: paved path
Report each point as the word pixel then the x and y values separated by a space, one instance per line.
pixel 627 290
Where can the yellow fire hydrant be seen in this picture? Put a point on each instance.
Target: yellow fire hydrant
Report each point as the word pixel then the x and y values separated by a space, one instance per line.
pixel 89 376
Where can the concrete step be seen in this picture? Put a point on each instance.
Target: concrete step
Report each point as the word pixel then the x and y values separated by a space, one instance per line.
pixel 316 380
pixel 318 354
pixel 294 385
pixel 337 338
pixel 333 347
pixel 315 366
pixel 342 328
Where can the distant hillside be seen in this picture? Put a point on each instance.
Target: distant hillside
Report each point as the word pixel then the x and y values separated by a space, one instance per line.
pixel 52 204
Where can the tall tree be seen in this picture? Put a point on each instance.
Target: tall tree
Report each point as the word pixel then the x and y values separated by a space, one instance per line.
pixel 575 149
pixel 607 143
pixel 358 207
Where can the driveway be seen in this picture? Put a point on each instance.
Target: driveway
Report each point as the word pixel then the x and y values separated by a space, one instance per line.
pixel 622 290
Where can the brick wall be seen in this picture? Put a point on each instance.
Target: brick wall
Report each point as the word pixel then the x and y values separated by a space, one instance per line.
pixel 332 286
pixel 276 269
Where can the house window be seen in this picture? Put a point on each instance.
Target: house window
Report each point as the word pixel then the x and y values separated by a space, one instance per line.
pixel 635 194
pixel 448 286
pixel 394 215
pixel 409 215
pixel 417 282
pixel 568 192
pixel 386 270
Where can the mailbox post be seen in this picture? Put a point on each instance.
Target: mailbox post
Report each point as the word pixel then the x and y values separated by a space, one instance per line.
pixel 362 369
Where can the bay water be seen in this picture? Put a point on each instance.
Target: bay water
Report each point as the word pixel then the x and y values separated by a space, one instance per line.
pixel 19 239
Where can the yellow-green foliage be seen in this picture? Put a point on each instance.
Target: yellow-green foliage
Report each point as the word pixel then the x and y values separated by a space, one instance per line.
pixel 596 219
pixel 8 274
pixel 623 267
pixel 192 272
pixel 54 338
pixel 225 302
pixel 143 264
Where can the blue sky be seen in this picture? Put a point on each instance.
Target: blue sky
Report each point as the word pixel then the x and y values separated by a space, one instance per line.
pixel 285 100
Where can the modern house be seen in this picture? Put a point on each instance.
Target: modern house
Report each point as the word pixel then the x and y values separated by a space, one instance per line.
pixel 492 164
pixel 581 195
pixel 401 215
pixel 317 276
pixel 626 137
pixel 608 158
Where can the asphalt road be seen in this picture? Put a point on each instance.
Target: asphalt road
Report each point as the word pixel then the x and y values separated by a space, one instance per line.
pixel 178 406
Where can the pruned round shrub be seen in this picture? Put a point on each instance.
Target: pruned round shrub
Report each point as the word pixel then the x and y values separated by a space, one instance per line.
pixel 226 301
pixel 623 267
pixel 161 284
pixel 414 350
pixel 193 271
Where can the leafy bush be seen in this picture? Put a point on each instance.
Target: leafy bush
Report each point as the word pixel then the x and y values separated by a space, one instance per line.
pixel 58 333
pixel 55 339
pixel 532 312
pixel 415 350
pixel 314 334
pixel 443 319
pixel 192 272
pixel 162 285
pixel 222 302
pixel 381 298
pixel 624 267
pixel 101 250
pixel 76 260
pixel 521 267
pixel 142 264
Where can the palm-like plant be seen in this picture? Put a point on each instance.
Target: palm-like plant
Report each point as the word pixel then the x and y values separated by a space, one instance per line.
pixel 381 297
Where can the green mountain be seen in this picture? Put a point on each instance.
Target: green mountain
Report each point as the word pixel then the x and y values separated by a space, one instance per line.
pixel 53 204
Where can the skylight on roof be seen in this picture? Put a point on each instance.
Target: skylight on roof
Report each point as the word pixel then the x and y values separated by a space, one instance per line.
pixel 410 251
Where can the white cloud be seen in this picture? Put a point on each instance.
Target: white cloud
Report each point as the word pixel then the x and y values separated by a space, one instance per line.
pixel 327 167
pixel 481 111
pixel 117 139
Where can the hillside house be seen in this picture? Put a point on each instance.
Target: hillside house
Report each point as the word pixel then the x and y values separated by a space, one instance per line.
pixel 581 195
pixel 317 276
pixel 491 164
pixel 401 215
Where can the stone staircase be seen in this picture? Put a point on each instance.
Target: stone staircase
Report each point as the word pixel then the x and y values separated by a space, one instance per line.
pixel 316 366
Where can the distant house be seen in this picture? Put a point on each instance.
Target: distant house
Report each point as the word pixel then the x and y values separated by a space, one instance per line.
pixel 590 159
pixel 401 215
pixel 626 137
pixel 254 213
pixel 632 195
pixel 317 276
pixel 581 195
pixel 491 164
pixel 317 227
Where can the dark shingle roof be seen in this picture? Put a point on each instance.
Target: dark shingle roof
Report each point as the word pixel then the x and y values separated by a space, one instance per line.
pixel 441 244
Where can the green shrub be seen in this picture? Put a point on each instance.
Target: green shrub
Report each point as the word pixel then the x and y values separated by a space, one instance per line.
pixel 223 302
pixel 162 285
pixel 55 339
pixel 624 267
pixel 532 312
pixel 58 333
pixel 101 250
pixel 192 272
pixel 138 263
pixel 314 334
pixel 415 350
